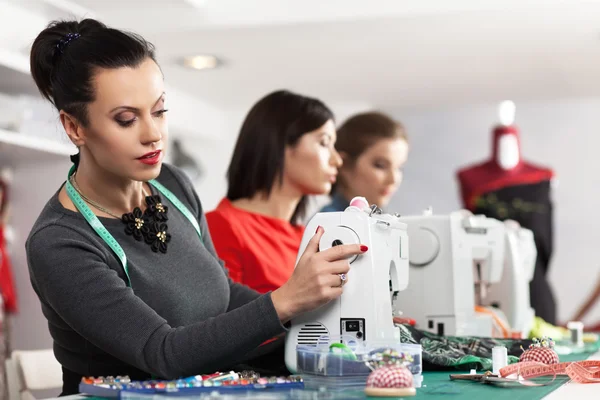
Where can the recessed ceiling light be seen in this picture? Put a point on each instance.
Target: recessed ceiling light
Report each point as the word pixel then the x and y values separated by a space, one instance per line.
pixel 197 3
pixel 203 61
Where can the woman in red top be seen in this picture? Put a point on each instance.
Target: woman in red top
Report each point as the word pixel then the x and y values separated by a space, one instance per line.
pixel 285 151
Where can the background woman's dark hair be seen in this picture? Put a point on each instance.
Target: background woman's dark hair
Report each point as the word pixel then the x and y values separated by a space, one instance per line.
pixel 277 120
pixel 65 56
pixel 362 131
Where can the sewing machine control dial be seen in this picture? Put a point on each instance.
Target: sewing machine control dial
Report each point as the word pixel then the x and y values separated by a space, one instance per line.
pixel 339 235
pixel 424 246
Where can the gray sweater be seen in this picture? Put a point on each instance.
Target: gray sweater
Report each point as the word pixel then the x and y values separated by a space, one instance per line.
pixel 182 315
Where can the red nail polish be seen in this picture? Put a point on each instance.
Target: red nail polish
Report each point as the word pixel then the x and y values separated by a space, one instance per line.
pixel 363 248
pixel 318 227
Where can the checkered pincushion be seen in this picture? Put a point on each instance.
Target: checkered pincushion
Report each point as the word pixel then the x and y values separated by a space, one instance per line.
pixel 540 354
pixel 390 377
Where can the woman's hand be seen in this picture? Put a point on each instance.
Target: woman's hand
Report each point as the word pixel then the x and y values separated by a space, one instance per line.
pixel 316 279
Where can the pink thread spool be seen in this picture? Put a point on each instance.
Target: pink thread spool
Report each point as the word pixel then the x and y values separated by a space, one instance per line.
pixel 359 202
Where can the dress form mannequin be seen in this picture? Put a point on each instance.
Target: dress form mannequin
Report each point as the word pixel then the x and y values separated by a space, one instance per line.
pixel 507 187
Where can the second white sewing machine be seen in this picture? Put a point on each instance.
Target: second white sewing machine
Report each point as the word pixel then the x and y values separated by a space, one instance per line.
pixel 364 310
pixel 453 259
pixel 511 293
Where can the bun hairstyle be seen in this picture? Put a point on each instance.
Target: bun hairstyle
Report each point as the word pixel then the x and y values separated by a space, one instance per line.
pixel 65 56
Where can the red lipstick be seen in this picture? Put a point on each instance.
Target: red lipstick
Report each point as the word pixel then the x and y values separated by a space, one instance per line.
pixel 151 158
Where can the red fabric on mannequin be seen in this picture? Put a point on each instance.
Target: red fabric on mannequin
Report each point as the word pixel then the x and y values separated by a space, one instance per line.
pixel 487 176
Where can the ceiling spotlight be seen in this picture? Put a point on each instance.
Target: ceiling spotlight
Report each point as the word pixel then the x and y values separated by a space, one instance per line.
pixel 201 62
pixel 197 3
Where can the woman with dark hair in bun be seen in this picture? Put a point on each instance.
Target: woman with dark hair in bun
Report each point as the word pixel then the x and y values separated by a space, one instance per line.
pixel 121 257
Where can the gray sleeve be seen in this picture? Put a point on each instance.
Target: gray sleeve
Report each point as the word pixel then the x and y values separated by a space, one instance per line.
pixel 72 276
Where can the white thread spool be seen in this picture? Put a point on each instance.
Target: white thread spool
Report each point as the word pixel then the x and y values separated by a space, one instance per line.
pixel 499 359
pixel 576 329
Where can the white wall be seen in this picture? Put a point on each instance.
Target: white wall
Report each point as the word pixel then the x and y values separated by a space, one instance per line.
pixel 214 155
pixel 560 134
pixel 33 185
pixel 29 327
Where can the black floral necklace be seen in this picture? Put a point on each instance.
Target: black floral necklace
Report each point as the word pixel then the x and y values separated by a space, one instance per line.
pixel 149 225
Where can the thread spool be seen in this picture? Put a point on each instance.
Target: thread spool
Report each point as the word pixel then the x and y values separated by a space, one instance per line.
pixel 359 202
pixel 499 359
pixel 576 329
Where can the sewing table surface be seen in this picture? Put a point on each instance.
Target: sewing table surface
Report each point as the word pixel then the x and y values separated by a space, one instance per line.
pixel 437 385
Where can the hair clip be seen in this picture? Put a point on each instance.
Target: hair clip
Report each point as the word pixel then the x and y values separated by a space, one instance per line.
pixel 64 42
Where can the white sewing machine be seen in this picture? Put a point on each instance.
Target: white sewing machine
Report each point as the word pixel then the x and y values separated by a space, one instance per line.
pixel 449 254
pixel 511 293
pixel 364 310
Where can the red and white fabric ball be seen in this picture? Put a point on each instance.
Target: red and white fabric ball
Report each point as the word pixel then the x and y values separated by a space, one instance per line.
pixel 543 355
pixel 390 377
